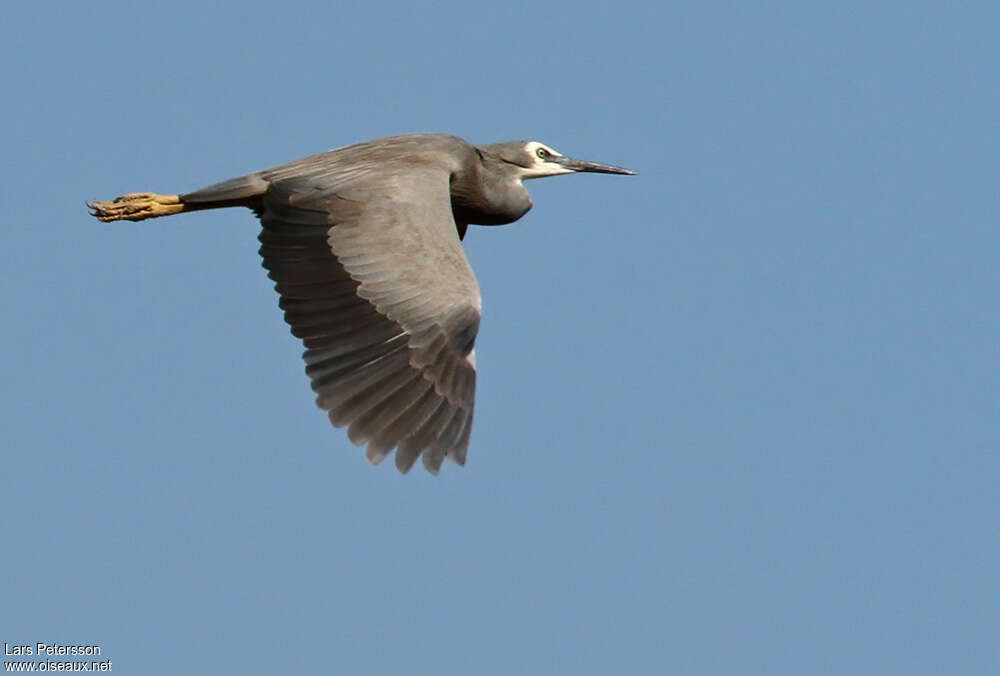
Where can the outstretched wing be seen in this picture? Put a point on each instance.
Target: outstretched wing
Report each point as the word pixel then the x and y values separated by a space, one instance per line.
pixel 374 280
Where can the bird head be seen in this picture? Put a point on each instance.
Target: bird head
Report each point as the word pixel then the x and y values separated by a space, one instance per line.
pixel 533 159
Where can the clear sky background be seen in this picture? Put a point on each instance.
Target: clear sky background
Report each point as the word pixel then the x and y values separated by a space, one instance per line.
pixel 738 414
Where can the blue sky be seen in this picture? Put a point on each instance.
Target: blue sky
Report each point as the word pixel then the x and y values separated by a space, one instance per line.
pixel 737 414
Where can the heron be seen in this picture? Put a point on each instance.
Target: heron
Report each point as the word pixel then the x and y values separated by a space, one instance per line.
pixel 364 245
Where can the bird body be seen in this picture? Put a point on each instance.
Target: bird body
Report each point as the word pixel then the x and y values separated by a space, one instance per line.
pixel 364 246
pixel 479 194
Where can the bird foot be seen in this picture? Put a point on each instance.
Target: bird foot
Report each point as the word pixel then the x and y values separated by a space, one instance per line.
pixel 136 207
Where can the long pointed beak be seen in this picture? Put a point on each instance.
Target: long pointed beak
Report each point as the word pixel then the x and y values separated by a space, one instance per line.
pixel 584 165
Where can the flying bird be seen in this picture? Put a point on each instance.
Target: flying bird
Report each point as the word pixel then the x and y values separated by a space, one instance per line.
pixel 364 246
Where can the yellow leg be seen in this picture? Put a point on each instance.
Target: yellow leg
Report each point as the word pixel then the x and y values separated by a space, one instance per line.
pixel 136 207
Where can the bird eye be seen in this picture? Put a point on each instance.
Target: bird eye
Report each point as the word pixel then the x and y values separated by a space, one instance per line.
pixel 542 153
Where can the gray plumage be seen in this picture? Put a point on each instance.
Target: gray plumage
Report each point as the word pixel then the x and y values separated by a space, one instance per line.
pixel 363 244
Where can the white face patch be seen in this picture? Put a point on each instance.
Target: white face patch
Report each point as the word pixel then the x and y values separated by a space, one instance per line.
pixel 543 165
pixel 533 147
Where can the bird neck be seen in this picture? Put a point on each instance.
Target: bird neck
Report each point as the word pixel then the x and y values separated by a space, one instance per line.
pixel 484 197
